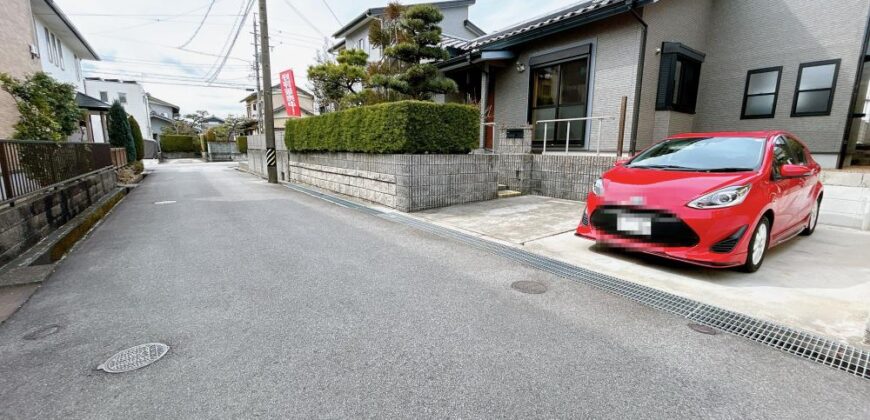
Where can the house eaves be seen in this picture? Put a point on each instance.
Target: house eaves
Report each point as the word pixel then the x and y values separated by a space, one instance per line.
pixel 562 20
pixel 58 22
pixel 377 11
pixel 156 101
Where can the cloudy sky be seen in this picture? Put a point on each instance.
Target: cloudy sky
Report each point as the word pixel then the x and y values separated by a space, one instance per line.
pixel 153 41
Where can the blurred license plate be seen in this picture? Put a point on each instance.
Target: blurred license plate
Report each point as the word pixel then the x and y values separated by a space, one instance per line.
pixel 634 224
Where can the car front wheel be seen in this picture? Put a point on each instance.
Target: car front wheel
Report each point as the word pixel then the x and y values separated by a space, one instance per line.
pixel 757 246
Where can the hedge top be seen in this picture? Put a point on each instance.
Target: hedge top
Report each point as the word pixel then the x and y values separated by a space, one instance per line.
pixel 395 127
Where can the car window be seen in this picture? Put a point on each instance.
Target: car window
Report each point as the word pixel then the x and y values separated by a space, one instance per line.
pixel 726 154
pixel 798 151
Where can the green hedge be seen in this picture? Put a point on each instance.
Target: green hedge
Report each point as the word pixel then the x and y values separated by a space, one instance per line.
pixel 242 144
pixel 396 127
pixel 177 143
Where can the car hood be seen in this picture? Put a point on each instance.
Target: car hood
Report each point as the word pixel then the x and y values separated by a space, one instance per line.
pixel 665 188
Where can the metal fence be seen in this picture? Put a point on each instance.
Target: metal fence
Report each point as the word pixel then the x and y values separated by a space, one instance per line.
pixel 29 166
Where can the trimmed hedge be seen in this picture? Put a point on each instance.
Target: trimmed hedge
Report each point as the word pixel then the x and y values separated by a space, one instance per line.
pixel 396 127
pixel 242 144
pixel 178 143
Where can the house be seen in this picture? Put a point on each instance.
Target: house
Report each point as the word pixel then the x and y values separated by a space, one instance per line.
pixel 37 36
pixel 306 103
pixel 681 65
pixel 162 114
pixel 129 93
pixel 455 25
pixel 211 122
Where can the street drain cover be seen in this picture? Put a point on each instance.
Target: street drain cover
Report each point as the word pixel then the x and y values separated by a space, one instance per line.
pixel 42 332
pixel 134 358
pixel 530 287
pixel 703 329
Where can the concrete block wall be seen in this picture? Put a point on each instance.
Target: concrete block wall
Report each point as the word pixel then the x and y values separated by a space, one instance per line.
pixel 847 199
pixel 568 177
pixel 431 181
pixel 30 220
pixel 369 177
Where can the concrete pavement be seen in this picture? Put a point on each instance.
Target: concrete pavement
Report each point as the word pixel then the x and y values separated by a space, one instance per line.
pixel 277 304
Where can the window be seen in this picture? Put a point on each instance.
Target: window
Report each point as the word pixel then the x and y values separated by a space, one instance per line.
pixel 711 154
pixel 814 92
pixel 78 64
pixel 49 46
pixel 60 60
pixel 559 92
pixel 679 75
pixel 122 97
pixel 761 93
pixel 104 96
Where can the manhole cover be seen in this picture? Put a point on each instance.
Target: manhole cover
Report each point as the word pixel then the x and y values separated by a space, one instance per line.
pixel 530 287
pixel 42 332
pixel 134 358
pixel 161 203
pixel 703 329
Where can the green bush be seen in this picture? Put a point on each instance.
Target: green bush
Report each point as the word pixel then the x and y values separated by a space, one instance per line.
pixel 179 143
pixel 242 144
pixel 137 138
pixel 396 127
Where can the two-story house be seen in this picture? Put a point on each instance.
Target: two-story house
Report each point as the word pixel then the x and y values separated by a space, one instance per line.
pixel 162 115
pixel 455 25
pixel 37 36
pixel 253 107
pixel 129 93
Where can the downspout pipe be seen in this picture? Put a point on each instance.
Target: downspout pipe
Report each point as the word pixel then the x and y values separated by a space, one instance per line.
pixel 641 56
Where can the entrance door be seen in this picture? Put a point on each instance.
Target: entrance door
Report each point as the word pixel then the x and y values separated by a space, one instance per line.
pixel 560 92
pixel 489 130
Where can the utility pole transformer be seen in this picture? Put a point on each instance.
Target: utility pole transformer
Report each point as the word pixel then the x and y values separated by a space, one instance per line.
pixel 269 115
pixel 257 73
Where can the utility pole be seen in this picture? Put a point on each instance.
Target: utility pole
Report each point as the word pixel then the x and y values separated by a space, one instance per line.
pixel 257 72
pixel 269 115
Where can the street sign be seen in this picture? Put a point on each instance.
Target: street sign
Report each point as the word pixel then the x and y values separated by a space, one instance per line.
pixel 288 91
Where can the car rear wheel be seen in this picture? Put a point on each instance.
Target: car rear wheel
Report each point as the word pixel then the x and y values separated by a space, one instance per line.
pixel 813 219
pixel 757 246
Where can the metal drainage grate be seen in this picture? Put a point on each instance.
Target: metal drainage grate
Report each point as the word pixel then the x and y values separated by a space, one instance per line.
pixel 529 287
pixel 134 358
pixel 42 332
pixel 809 346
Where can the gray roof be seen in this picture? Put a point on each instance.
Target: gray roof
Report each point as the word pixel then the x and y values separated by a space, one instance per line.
pixel 550 19
pixel 156 101
pixel 88 102
pixel 49 12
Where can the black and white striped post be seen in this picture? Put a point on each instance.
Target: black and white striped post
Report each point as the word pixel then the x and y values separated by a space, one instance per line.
pixel 268 117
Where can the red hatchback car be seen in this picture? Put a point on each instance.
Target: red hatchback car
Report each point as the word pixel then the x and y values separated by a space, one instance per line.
pixel 712 199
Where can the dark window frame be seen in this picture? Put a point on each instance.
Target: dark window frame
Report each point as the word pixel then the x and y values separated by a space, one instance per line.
pixel 775 94
pixel 673 53
pixel 832 89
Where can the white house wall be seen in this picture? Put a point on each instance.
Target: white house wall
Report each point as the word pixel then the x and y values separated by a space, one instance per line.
pixel 137 102
pixel 71 71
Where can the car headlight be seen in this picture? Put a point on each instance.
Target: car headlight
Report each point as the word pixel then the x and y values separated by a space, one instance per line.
pixel 726 197
pixel 598 187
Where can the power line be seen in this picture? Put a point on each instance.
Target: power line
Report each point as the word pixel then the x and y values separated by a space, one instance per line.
pixel 305 19
pixel 325 3
pixel 168 18
pixel 195 32
pixel 233 43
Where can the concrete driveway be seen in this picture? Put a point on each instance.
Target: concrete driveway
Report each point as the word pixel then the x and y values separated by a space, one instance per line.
pixel 819 284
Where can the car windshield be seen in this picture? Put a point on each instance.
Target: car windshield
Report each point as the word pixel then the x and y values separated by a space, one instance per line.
pixel 705 154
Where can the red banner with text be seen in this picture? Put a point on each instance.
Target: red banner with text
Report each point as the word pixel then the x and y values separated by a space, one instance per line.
pixel 288 91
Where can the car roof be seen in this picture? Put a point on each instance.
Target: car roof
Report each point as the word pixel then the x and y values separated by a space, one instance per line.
pixel 755 134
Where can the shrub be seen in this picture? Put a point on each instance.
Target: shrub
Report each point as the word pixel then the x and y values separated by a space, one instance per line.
pixel 179 143
pixel 242 144
pixel 137 138
pixel 397 127
pixel 120 134
pixel 47 108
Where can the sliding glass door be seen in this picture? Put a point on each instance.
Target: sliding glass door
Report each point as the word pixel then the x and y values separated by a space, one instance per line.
pixel 560 92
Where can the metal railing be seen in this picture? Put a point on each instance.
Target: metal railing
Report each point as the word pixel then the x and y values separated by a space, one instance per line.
pixel 29 166
pixel 568 131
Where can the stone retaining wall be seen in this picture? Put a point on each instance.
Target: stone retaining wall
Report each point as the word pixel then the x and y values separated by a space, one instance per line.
pixel 33 218
pixel 568 177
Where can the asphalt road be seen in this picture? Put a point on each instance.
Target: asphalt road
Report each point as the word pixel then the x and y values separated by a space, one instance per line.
pixel 277 304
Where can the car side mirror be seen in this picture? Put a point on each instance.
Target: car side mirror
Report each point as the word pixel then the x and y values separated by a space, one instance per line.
pixel 794 171
pixel 621 162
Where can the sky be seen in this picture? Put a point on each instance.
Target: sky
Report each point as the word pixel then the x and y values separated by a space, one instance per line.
pixel 153 42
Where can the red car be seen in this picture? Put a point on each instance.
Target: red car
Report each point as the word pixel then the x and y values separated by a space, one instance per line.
pixel 712 199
